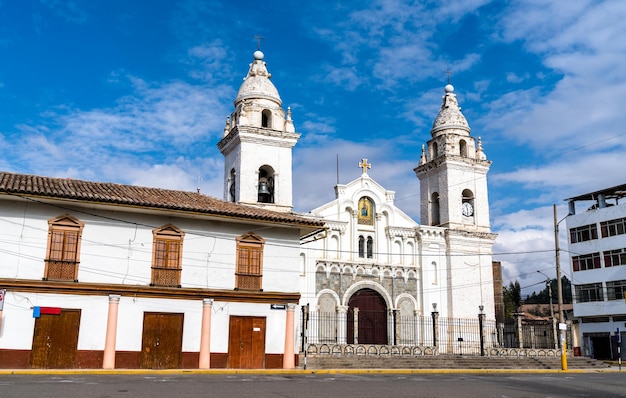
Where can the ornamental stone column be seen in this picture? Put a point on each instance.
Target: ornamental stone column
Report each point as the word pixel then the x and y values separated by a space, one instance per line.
pixel 342 320
pixel 204 361
pixel 108 358
pixel 288 354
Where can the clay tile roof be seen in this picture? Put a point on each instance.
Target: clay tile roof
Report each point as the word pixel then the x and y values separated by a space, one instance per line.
pixel 134 196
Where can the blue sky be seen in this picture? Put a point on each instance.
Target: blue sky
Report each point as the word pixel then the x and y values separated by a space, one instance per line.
pixel 137 92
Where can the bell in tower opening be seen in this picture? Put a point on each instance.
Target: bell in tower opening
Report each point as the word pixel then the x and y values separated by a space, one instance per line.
pixel 266 186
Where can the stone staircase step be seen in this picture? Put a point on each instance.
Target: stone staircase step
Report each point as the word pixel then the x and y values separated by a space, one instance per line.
pixel 446 362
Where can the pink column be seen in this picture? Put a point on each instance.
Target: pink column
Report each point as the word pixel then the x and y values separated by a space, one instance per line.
pixel 205 335
pixel 288 356
pixel 108 360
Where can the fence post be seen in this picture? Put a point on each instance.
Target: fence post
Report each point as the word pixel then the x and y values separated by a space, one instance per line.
pixel 303 327
pixel 520 332
pixel 481 328
pixel 435 316
pixel 396 326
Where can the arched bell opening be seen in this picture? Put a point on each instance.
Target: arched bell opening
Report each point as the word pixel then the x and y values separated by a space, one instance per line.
pixel 266 118
pixel 266 185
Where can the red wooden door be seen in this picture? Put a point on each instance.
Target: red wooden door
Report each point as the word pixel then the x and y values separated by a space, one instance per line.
pixel 55 340
pixel 372 317
pixel 162 340
pixel 246 342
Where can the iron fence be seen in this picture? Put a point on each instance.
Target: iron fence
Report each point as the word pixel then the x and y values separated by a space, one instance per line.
pixel 460 336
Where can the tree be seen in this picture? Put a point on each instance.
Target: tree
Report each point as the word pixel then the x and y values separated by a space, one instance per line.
pixel 512 295
pixel 543 297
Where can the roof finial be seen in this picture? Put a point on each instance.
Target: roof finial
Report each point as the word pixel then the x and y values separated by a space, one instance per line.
pixel 258 37
pixel 449 72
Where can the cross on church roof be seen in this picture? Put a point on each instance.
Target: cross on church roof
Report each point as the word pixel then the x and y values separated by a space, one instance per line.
pixel 448 72
pixel 364 165
pixel 259 38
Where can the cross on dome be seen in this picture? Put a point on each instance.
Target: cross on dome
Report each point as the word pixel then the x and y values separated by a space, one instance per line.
pixel 364 165
pixel 258 37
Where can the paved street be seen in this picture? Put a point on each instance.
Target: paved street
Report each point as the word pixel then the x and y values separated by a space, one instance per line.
pixel 510 385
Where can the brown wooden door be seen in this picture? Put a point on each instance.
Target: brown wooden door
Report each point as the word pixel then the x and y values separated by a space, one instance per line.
pixel 246 344
pixel 372 317
pixel 162 340
pixel 55 340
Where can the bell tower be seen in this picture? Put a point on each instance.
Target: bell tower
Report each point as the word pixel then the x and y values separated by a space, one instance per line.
pixel 453 194
pixel 453 173
pixel 257 144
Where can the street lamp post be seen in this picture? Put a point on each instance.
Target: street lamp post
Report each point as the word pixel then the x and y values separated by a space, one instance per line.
pixel 559 288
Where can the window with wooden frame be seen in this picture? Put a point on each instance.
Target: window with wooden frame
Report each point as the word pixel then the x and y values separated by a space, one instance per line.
pixel 63 253
pixel 167 254
pixel 249 273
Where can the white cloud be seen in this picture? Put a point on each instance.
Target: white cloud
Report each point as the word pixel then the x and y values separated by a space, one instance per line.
pixel 158 127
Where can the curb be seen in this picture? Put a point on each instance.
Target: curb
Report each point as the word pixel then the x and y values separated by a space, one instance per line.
pixel 288 371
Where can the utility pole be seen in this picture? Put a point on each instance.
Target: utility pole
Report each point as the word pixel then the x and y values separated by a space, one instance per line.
pixel 554 334
pixel 559 288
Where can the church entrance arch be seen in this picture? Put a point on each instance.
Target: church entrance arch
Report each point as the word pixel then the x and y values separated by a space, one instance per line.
pixel 372 318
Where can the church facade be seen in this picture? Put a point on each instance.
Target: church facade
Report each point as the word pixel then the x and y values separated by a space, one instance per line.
pixel 380 269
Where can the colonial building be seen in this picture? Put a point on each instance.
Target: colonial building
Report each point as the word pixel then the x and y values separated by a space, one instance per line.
pixel 377 267
pixel 108 275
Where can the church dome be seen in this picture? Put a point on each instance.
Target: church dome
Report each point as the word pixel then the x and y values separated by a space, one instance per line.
pixel 257 84
pixel 450 116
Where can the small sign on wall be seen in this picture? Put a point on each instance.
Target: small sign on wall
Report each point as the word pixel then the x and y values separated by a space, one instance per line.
pixel 278 306
pixel 39 311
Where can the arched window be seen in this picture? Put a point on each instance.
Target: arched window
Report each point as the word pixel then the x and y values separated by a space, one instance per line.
pixel 397 252
pixel 366 211
pixel 435 150
pixel 333 247
pixel 167 255
pixel 233 186
pixel 361 247
pixel 266 185
pixel 435 273
pixel 463 148
pixel 63 254
pixel 266 118
pixel 249 273
pixel 434 209
pixel 370 247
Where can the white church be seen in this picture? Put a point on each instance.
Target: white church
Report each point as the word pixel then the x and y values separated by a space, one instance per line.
pixel 107 275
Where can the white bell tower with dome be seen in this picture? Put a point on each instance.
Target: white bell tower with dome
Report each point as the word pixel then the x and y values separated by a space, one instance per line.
pixel 257 144
pixel 453 194
pixel 453 173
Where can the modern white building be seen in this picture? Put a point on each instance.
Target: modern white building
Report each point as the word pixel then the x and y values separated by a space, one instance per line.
pixel 597 254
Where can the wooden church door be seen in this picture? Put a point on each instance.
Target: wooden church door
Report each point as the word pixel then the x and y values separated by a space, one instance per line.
pixel 372 317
